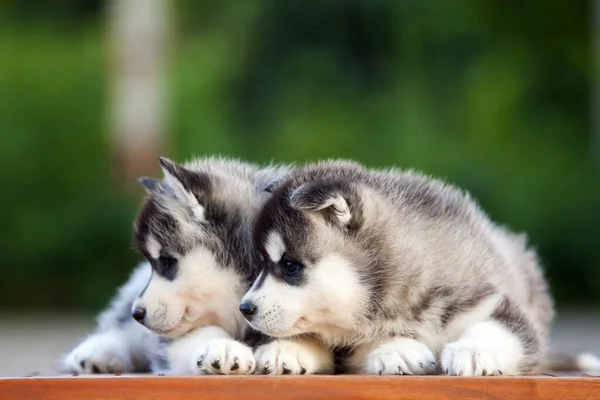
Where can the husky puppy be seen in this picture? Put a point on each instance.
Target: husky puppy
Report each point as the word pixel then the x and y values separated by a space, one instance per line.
pixel 396 273
pixel 178 312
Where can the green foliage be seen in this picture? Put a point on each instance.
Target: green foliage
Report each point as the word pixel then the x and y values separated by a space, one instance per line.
pixel 494 98
pixel 66 229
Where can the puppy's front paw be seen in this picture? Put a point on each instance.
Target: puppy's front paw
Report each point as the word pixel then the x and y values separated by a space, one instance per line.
pixel 289 357
pixel 102 353
pixel 400 357
pixel 492 351
pixel 225 357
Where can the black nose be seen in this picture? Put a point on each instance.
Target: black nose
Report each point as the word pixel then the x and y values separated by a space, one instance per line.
pixel 248 309
pixel 139 314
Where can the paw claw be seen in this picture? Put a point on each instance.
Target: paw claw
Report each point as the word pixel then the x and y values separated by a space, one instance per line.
pixel 100 353
pixel 235 364
pixel 485 349
pixel 402 356
pixel 225 356
pixel 285 357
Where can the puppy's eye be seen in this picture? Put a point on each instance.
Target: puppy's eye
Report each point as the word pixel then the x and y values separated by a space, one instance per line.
pixel 165 266
pixel 167 262
pixel 291 267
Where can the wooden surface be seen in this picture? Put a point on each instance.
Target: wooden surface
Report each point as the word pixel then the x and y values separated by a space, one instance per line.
pixel 306 387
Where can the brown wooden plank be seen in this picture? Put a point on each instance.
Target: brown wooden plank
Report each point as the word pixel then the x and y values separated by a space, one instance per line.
pixel 311 387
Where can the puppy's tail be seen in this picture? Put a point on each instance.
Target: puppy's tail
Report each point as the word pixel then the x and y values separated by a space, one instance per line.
pixel 582 362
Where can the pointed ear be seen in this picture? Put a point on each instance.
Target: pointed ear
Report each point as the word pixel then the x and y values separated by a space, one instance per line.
pixel 337 199
pixel 150 184
pixel 192 181
pixel 184 186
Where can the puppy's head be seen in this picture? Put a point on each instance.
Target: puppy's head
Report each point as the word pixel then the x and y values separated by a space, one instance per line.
pixel 308 282
pixel 193 228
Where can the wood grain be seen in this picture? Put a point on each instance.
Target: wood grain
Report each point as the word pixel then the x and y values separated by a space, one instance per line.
pixel 309 387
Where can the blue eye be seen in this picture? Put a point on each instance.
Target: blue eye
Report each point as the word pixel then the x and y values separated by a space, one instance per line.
pixel 290 267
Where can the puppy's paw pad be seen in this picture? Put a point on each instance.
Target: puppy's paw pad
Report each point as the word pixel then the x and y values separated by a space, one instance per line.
pixel 283 357
pixel 99 354
pixel 400 357
pixel 225 357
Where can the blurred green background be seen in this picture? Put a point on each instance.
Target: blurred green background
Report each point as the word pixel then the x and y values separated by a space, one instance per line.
pixel 496 96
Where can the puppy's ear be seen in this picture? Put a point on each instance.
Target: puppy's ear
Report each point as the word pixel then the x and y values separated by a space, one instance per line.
pixel 150 184
pixel 192 181
pixel 336 199
pixel 184 186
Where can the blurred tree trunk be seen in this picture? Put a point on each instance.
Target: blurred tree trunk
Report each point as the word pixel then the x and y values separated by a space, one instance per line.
pixel 138 32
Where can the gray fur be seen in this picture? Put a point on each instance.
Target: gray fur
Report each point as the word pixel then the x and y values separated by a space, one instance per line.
pixel 425 258
pixel 205 205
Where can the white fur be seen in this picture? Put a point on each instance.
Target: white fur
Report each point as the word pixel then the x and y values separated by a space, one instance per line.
pixel 107 351
pixel 254 284
pixel 275 246
pixel 486 348
pixel 117 346
pixel 588 362
pixel 340 206
pixel 334 293
pixel 402 356
pixel 294 357
pixel 462 322
pixel 331 296
pixel 153 247
pixel 112 351
pixel 209 344
pixel 195 298
pixel 232 358
pixel 428 331
pixel 270 318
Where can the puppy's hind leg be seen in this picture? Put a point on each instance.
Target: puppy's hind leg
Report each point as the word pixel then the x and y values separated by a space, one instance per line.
pixel 398 356
pixel 504 344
